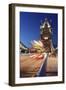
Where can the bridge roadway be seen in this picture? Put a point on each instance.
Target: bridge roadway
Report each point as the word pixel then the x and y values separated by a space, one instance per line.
pixel 30 66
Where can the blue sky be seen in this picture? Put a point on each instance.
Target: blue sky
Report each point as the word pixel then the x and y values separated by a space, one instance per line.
pixel 30 26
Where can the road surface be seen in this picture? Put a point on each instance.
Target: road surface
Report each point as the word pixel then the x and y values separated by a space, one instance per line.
pixel 29 66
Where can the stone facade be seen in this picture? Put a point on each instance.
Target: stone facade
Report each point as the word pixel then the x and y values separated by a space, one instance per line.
pixel 45 32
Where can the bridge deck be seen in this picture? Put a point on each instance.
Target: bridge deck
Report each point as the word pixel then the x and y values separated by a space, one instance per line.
pixel 29 66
